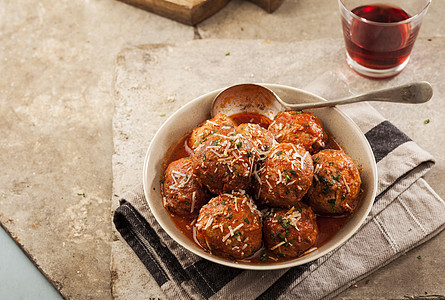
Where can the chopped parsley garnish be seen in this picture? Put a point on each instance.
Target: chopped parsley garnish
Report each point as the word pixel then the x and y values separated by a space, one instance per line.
pixel 236 234
pixel 284 223
pixel 299 209
pixel 204 157
pixel 239 145
pixel 419 257
pixel 297 112
pixel 81 194
pixel 264 257
pixel 325 190
pixel 162 115
pixel 246 220
pixel 162 180
pixel 216 142
pixel 426 121
pixel 223 202
pixel 249 154
pixel 336 178
pixel 279 153
pixel 228 53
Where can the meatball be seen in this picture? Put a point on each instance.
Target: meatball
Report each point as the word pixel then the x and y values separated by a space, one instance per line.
pixel 230 225
pixel 262 138
pixel 290 232
pixel 336 183
pixel 182 194
pixel 299 127
pixel 224 163
pixel 219 124
pixel 285 176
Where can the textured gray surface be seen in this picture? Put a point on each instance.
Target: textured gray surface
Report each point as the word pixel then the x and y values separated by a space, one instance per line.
pixel 57 61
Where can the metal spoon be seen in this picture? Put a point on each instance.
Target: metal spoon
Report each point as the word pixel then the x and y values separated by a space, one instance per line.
pixel 255 98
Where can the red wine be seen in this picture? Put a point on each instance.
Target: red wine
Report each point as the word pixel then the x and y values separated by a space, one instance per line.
pixel 379 44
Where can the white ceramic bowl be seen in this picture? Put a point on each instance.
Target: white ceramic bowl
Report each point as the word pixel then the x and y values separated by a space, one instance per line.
pixel 338 125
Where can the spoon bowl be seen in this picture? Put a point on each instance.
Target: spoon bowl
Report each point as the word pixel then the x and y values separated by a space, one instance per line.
pixel 254 98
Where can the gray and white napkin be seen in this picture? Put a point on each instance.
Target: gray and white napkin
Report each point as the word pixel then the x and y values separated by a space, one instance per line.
pixel 406 213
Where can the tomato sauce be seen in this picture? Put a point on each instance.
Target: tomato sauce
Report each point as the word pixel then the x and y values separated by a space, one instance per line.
pixel 328 226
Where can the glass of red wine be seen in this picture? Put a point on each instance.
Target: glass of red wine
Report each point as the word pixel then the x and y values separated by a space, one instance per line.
pixel 380 35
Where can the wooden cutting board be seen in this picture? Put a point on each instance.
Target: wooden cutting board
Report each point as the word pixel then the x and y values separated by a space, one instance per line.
pixel 191 12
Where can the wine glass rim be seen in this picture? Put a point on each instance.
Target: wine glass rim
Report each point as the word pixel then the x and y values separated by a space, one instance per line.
pixel 410 19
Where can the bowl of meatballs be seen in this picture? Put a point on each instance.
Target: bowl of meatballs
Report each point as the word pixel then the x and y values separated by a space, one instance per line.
pixel 256 193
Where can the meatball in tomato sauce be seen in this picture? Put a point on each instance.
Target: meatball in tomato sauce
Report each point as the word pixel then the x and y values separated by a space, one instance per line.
pixel 285 176
pixel 224 163
pixel 262 138
pixel 290 232
pixel 182 194
pixel 220 124
pixel 299 127
pixel 336 183
pixel 230 225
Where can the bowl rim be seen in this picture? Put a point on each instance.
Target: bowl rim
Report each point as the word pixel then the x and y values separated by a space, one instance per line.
pixel 254 266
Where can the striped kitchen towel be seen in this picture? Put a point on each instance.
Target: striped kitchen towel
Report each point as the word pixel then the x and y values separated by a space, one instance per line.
pixel 406 213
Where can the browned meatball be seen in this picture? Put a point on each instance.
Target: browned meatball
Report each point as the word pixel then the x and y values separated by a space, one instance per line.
pixel 182 194
pixel 262 138
pixel 219 124
pixel 336 183
pixel 224 163
pixel 230 225
pixel 285 176
pixel 299 127
pixel 290 232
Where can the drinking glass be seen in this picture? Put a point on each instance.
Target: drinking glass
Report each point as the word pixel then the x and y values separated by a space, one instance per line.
pixel 379 36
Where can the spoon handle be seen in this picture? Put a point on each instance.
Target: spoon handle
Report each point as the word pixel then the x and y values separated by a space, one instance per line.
pixel 417 92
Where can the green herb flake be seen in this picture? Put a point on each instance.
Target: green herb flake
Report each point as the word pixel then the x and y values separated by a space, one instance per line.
pixel 297 112
pixel 236 234
pixel 229 216
pixel 325 190
pixel 426 121
pixel 81 194
pixel 419 257
pixel 249 154
pixel 285 223
pixel 279 153
pixel 336 178
pixel 216 142
pixel 204 157
pixel 223 202
pixel 228 53
pixel 239 145
pixel 246 220
pixel 162 115
pixel 264 257
pixel 162 180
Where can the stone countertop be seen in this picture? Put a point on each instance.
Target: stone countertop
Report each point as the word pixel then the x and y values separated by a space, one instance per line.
pixel 57 64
